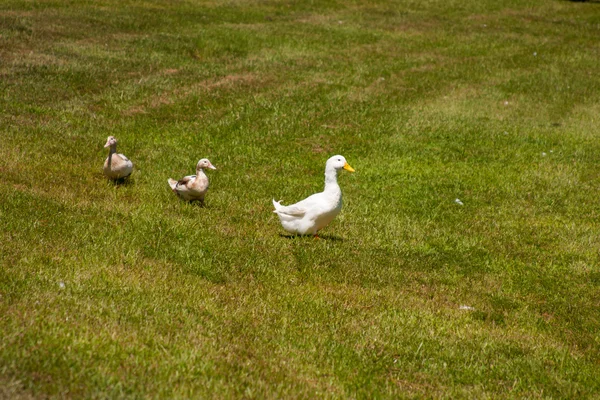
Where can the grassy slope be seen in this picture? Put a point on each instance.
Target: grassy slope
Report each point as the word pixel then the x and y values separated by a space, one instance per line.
pixel 495 103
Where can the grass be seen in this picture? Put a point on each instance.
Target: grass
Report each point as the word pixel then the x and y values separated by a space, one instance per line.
pixel 111 291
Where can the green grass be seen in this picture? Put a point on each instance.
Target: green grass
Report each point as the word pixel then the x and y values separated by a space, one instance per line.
pixel 111 291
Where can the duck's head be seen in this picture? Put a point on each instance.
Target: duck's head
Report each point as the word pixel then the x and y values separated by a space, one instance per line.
pixel 111 141
pixel 205 163
pixel 338 162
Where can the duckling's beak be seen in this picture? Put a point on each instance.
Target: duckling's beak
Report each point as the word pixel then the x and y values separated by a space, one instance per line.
pixel 211 166
pixel 347 167
pixel 107 144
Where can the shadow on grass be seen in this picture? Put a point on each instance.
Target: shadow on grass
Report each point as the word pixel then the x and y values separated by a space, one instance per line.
pixel 321 237
pixel 125 182
pixel 192 203
pixel 197 203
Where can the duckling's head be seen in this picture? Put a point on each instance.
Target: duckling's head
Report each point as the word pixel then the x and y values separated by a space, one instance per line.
pixel 110 142
pixel 338 162
pixel 205 163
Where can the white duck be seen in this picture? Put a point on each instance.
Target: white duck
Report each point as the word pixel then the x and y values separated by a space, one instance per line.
pixel 317 211
pixel 193 187
pixel 116 166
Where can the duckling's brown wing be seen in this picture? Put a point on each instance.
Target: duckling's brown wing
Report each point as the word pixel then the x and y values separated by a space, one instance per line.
pixel 185 180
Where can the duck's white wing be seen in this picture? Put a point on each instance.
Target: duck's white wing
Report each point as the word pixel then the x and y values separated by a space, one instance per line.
pixel 293 210
pixel 312 203
pixel 123 157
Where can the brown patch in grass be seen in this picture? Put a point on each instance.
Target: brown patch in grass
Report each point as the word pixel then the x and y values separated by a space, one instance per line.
pixel 13 13
pixel 161 100
pixel 13 389
pixel 478 17
pixel 135 110
pixel 337 126
pixel 230 80
pixel 318 145
pixel 318 19
pixel 547 317
pixel 412 387
pixel 20 187
pixel 424 68
pixel 208 85
pixel 28 57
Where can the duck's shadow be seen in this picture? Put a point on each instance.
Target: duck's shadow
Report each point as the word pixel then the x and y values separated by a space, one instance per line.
pixel 320 237
pixel 122 182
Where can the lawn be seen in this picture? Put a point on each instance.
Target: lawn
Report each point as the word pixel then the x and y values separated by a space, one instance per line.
pixel 464 264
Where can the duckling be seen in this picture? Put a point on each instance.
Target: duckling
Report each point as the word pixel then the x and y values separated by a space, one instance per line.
pixel 116 166
pixel 193 187
pixel 315 212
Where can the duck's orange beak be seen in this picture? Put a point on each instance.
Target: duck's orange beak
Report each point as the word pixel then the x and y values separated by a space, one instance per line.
pixel 347 167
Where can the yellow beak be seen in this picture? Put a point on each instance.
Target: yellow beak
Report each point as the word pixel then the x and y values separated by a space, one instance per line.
pixel 347 167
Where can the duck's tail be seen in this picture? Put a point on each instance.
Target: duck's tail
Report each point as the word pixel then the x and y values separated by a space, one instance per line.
pixel 277 206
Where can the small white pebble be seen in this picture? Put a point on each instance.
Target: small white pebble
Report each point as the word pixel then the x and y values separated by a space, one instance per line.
pixel 382 79
pixel 551 151
pixel 469 308
pixel 457 201
pixel 506 103
pixel 544 154
pixel 534 53
pixel 61 284
pixel 485 25
pixel 340 22
pixel 506 133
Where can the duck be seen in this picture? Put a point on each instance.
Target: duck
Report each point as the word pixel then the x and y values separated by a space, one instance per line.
pixel 193 187
pixel 315 212
pixel 116 166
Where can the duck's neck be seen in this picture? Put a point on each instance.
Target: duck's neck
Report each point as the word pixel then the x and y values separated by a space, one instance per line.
pixel 200 171
pixel 112 150
pixel 331 180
